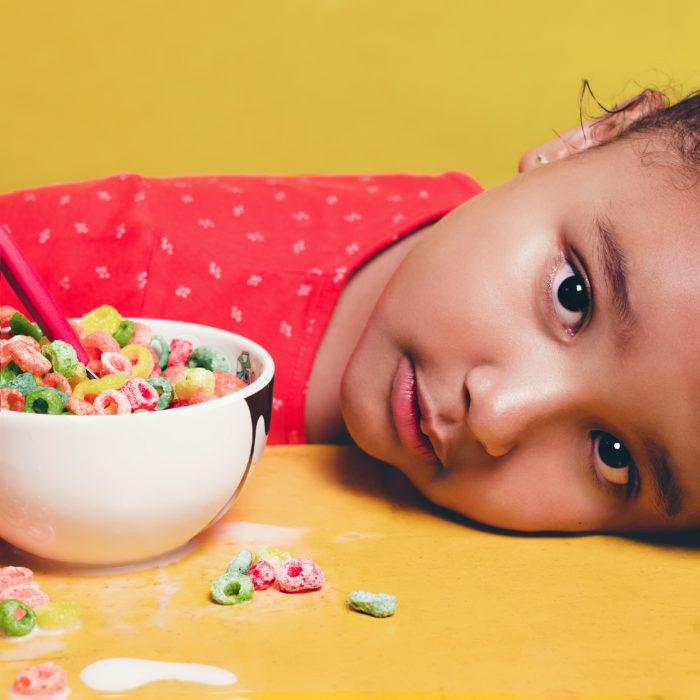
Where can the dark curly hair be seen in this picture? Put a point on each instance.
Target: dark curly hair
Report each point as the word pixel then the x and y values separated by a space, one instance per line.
pixel 678 124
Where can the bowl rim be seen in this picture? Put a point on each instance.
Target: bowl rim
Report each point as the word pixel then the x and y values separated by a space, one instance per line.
pixel 258 384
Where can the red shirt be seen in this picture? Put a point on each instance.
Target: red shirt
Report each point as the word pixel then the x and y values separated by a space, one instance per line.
pixel 266 257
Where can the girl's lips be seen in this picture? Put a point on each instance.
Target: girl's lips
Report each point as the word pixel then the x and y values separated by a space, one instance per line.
pixel 406 413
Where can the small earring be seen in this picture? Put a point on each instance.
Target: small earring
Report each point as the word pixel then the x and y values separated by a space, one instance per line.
pixel 541 159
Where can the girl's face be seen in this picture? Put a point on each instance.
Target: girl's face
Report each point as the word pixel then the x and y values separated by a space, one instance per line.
pixel 534 363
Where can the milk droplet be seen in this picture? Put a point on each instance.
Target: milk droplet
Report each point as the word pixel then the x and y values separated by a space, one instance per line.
pixel 122 673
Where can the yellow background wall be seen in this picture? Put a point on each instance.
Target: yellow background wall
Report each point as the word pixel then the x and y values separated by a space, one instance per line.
pixel 90 87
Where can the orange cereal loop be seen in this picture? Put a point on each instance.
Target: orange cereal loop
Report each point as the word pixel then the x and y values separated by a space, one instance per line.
pixel 172 374
pixel 28 359
pixel 80 407
pixel 56 380
pixel 11 399
pixel 226 383
pixel 200 397
pixel 98 342
pixel 25 340
pixel 142 334
pixel 6 312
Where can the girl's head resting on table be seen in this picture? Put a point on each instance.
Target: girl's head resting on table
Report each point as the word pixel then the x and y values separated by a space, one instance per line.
pixel 550 329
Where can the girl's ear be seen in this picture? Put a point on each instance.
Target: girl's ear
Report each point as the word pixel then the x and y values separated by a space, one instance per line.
pixel 595 131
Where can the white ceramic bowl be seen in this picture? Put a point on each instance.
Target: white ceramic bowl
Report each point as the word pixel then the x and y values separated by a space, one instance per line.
pixel 106 490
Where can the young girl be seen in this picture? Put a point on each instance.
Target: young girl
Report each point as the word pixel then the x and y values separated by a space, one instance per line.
pixel 528 357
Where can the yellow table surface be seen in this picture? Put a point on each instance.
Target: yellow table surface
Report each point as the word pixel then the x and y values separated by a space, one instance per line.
pixel 480 614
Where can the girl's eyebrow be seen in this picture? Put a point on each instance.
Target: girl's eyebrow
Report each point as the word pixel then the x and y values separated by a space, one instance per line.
pixel 613 264
pixel 668 495
pixel 611 260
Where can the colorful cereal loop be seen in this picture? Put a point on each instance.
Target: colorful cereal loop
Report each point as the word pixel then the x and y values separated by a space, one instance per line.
pixel 299 576
pixel 93 387
pixel 42 681
pixel 10 623
pixel 104 319
pixel 374 604
pixel 62 356
pixel 115 363
pixel 110 402
pixel 140 355
pixel 232 589
pixel 193 381
pixel 241 562
pixel 11 399
pixel 140 394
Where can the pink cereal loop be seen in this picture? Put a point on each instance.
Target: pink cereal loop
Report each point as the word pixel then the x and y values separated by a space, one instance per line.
pixel 28 359
pixel 14 575
pixel 142 334
pixel 11 399
pixel 56 380
pixel 40 681
pixel 180 351
pixel 6 313
pixel 110 402
pixel 115 363
pixel 140 394
pixel 80 407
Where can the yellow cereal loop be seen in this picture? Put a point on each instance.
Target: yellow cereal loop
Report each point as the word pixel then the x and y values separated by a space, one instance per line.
pixel 103 318
pixel 143 357
pixel 80 375
pixel 193 380
pixel 97 386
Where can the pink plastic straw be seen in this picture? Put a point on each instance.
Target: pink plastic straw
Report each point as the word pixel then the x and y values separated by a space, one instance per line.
pixel 34 294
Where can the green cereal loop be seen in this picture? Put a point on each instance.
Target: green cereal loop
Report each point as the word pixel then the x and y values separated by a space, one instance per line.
pixel 164 389
pixel 8 373
pixel 232 589
pixel 21 325
pixel 58 614
pixel 124 333
pixel 241 562
pixel 63 357
pixel 45 400
pixel 24 383
pixel 209 358
pixel 375 604
pixel 9 623
pixel 162 348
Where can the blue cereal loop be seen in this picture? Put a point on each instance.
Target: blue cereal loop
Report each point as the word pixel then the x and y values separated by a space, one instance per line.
pixel 374 604
pixel 241 562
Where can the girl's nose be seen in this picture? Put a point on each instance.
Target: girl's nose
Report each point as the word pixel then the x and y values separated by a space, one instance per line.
pixel 503 410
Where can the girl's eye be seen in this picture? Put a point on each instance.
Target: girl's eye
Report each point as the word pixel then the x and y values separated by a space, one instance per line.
pixel 571 296
pixel 612 460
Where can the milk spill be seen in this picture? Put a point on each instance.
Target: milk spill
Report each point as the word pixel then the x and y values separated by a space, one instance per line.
pixel 120 674
pixel 256 534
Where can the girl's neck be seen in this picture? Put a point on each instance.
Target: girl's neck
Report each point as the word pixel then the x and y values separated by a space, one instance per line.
pixel 324 422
